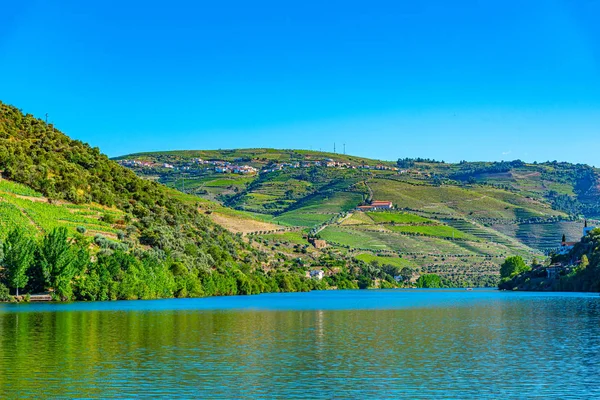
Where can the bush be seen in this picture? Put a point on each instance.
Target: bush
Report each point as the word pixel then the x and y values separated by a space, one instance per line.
pixel 513 266
pixel 81 229
pixel 108 218
pixel 4 293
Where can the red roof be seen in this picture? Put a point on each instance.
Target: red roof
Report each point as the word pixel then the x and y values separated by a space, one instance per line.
pixel 381 203
pixel 569 243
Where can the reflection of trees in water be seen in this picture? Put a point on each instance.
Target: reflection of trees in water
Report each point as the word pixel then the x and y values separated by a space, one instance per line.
pixel 450 347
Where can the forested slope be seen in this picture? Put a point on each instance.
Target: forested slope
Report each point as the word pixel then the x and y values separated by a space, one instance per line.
pixel 160 235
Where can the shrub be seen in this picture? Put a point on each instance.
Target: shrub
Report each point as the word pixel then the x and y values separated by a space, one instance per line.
pixel 4 293
pixel 108 218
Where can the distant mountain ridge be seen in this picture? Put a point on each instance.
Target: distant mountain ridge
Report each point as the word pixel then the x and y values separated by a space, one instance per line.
pixel 571 188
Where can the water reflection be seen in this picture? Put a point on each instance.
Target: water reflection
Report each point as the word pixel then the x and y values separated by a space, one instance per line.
pixel 506 347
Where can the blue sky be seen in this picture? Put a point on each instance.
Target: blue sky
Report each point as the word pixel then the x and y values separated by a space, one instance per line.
pixel 474 80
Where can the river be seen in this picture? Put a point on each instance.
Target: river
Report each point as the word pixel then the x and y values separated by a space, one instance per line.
pixel 343 344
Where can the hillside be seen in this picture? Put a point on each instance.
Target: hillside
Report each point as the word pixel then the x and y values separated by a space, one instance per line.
pixel 80 226
pixel 472 215
pixel 24 207
pixel 577 270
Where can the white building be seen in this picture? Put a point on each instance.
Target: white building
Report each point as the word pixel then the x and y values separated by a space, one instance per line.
pixel 317 274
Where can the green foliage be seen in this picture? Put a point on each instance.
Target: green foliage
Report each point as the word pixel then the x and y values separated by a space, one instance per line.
pixel 4 293
pixel 58 262
pixel 398 218
pixel 18 252
pixel 513 266
pixel 364 282
pixel 429 281
pixel 165 248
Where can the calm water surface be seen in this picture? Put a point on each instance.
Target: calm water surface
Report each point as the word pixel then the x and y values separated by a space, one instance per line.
pixel 342 344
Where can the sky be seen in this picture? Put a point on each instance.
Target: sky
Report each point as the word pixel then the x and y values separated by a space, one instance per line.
pixel 449 80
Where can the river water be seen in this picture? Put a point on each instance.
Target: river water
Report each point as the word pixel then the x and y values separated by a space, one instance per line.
pixel 335 344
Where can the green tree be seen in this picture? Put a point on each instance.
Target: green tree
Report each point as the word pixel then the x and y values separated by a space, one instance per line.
pixel 584 262
pixel 513 266
pixel 57 260
pixel 429 281
pixel 18 251
pixel 4 293
pixel 364 282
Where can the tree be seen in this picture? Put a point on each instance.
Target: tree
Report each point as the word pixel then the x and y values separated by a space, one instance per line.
pixel 429 281
pixel 57 260
pixel 364 282
pixel 18 251
pixel 513 266
pixel 584 262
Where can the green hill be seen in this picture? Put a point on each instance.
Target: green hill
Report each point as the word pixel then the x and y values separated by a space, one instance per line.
pixel 239 220
pixel 468 211
pixel 80 226
pixel 575 271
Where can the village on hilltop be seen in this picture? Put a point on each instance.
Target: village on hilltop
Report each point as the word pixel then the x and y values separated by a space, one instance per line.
pixel 222 166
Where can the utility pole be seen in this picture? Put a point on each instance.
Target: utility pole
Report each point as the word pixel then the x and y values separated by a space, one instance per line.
pixel 333 147
pixel 46 118
pixel 344 148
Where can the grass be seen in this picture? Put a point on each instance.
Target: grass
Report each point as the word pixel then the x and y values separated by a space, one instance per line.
pixel 394 261
pixel 295 218
pixel 352 238
pixel 439 231
pixel 238 182
pixel 334 203
pixel 15 188
pixel 398 218
pixel 358 218
pixel 290 237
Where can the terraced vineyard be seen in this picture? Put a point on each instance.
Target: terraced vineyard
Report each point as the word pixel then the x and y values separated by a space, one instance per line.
pixel 476 202
pixel 485 233
pixel 543 236
pixel 458 220
pixel 22 206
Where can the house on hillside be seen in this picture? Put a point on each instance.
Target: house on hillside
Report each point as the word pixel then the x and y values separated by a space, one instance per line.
pixel 244 169
pixel 376 205
pixel 566 247
pixel 382 205
pixel 316 274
